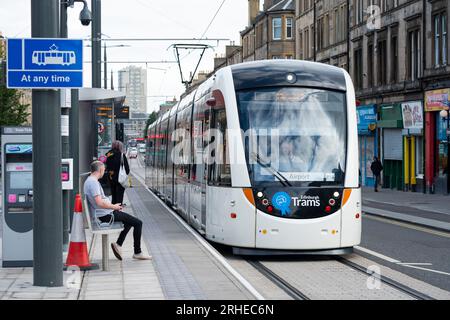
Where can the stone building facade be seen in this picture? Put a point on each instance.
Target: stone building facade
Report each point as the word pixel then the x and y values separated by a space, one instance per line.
pixel 270 33
pixel 330 43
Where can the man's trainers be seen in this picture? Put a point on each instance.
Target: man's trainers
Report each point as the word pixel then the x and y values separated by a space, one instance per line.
pixel 116 250
pixel 141 256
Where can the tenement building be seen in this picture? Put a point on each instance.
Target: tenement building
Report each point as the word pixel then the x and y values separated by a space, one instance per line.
pixel 329 44
pixel 270 33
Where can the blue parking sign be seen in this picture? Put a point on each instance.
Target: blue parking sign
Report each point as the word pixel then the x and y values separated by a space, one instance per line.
pixel 44 63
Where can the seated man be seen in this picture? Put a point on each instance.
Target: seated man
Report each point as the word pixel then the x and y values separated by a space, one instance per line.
pixel 100 205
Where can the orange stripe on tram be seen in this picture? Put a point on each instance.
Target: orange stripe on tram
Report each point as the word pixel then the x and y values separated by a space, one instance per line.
pixel 347 193
pixel 248 192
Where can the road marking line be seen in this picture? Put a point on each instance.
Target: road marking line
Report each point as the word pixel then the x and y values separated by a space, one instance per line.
pixel 414 264
pixel 376 254
pixel 429 270
pixel 404 264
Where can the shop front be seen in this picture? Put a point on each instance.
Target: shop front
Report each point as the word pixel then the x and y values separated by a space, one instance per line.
pixel 391 133
pixel 413 164
pixel 436 153
pixel 368 144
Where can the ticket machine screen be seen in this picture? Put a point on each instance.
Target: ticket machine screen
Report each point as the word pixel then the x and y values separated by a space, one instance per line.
pixel 21 180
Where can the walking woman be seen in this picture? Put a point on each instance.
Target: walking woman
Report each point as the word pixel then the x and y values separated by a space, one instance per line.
pixel 116 157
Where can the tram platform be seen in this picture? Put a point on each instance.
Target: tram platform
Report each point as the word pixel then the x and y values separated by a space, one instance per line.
pixel 181 268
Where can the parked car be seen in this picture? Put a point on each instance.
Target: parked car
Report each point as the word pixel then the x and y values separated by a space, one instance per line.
pixel 142 149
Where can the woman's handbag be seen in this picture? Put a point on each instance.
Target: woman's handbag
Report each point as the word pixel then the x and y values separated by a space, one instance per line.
pixel 123 176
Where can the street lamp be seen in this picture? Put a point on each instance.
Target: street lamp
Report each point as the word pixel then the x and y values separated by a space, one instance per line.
pixel 446 116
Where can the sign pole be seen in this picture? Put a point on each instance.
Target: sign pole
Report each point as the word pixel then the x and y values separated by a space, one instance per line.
pixel 65 140
pixel 47 208
pixel 96 44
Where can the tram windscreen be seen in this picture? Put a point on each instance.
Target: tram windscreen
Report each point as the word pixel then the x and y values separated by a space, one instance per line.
pixel 294 135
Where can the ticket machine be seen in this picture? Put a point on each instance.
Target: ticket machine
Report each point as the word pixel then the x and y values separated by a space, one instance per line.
pixel 17 197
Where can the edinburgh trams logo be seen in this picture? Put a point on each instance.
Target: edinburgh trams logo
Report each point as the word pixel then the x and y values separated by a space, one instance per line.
pixel 282 201
pixel 306 201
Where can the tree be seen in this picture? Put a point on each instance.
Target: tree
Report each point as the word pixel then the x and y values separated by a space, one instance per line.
pixel 12 111
pixel 151 118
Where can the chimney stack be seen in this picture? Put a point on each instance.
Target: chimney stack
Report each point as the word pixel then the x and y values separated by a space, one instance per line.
pixel 253 10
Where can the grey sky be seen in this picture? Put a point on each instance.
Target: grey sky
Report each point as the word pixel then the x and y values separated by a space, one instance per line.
pixel 145 19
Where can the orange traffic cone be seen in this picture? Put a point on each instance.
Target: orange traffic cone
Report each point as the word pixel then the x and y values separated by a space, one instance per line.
pixel 78 253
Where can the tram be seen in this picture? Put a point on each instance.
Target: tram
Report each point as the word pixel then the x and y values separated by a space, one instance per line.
pixel 263 157
pixel 63 58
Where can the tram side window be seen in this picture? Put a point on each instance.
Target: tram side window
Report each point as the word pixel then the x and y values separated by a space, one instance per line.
pixel 158 147
pixel 150 146
pixel 200 126
pixel 183 141
pixel 220 172
pixel 171 145
pixel 164 145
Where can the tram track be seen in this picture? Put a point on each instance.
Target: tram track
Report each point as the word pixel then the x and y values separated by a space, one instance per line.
pixel 297 294
pixel 388 281
pixel 281 283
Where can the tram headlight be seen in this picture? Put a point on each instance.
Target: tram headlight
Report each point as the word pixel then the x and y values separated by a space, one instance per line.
pixel 291 78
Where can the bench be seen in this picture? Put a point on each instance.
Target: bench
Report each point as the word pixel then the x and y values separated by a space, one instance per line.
pixel 95 228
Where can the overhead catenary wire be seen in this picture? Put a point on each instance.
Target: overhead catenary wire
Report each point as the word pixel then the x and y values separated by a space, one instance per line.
pixel 179 59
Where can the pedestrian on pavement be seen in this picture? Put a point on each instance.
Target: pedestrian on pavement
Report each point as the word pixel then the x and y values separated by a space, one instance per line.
pixel 376 168
pixel 115 158
pixel 105 211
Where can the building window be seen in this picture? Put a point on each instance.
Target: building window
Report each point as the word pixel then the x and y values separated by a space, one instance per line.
pixel 370 65
pixel 320 33
pixel 276 28
pixel 307 45
pixel 394 59
pixel 358 68
pixel 382 62
pixel 344 24
pixel 336 25
pixel 301 45
pixel 289 28
pixel 414 55
pixel 359 15
pixel 440 39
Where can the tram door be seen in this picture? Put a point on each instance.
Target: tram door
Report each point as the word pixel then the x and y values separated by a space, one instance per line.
pixel 199 172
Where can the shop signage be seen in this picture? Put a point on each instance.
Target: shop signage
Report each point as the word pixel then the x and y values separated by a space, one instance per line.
pixel 412 115
pixel 367 118
pixel 437 100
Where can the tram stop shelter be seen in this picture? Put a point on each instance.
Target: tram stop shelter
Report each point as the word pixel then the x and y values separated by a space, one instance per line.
pixel 97 126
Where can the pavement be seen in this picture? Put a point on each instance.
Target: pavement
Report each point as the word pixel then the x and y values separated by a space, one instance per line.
pixel 125 280
pixel 429 210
